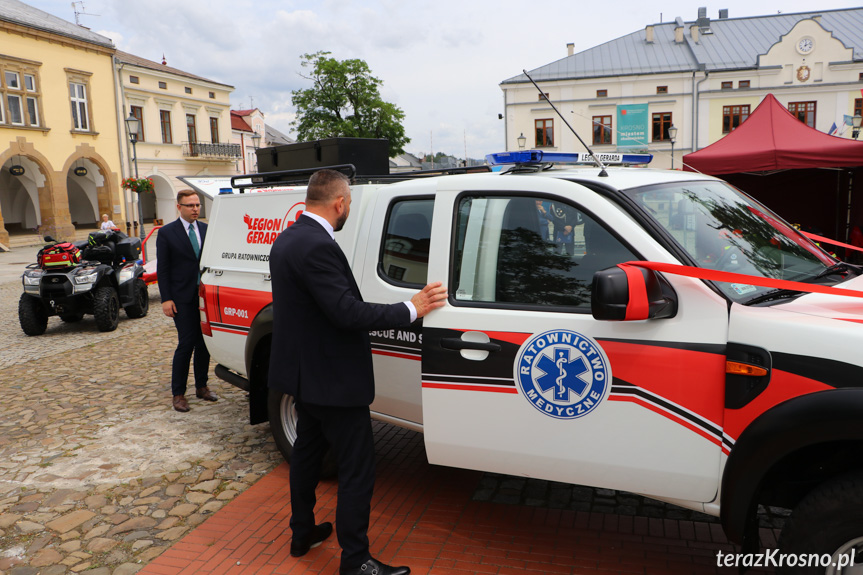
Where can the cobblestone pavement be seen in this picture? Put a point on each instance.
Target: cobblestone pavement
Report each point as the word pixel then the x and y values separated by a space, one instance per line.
pixel 99 475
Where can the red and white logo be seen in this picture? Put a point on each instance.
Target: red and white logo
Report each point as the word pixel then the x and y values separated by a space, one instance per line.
pixel 266 230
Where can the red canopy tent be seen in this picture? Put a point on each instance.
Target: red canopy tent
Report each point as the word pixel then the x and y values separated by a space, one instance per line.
pixel 771 138
pixel 816 192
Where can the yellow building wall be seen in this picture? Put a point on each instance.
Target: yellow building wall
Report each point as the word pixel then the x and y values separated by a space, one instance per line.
pixel 54 146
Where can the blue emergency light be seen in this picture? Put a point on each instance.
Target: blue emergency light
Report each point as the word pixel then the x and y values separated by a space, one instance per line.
pixel 540 157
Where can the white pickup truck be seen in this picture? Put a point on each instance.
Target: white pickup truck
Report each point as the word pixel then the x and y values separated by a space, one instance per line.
pixel 716 376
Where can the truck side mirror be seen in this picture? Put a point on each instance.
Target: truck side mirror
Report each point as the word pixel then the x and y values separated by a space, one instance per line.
pixel 641 294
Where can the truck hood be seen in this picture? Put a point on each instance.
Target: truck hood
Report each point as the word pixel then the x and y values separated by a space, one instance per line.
pixel 831 306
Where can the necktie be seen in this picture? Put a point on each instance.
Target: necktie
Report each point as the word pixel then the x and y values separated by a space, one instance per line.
pixel 193 237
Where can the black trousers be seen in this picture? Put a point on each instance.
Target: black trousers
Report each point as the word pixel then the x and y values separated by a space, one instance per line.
pixel 190 341
pixel 348 431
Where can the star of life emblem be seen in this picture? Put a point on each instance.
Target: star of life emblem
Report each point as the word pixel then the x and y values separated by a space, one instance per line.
pixel 563 374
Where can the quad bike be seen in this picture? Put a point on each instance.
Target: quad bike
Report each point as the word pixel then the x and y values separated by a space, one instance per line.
pixel 97 276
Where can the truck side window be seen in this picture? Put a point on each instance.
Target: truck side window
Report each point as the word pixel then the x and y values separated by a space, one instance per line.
pixel 530 251
pixel 407 237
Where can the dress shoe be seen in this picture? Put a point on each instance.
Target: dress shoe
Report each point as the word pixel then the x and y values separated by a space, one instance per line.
pixel 319 534
pixel 180 403
pixel 375 567
pixel 205 394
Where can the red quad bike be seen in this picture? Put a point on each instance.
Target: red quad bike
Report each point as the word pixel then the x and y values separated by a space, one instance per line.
pixel 97 276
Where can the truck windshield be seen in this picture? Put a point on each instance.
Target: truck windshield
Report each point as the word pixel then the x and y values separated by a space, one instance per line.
pixel 722 229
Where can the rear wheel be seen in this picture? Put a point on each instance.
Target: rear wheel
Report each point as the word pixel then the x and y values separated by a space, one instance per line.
pixel 106 308
pixel 142 301
pixel 32 315
pixel 827 522
pixel 282 410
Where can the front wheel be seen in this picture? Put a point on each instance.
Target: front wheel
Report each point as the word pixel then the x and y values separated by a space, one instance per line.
pixel 827 523
pixel 32 315
pixel 106 308
pixel 282 412
pixel 142 301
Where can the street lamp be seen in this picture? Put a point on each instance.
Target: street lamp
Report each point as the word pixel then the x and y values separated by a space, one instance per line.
pixel 522 141
pixel 855 122
pixel 132 125
pixel 672 135
pixel 256 142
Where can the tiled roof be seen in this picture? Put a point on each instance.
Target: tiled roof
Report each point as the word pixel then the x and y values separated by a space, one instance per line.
pixel 238 123
pixel 24 15
pixel 127 58
pixel 735 43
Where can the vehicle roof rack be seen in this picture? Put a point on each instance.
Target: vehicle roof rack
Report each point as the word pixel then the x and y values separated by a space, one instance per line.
pixel 301 177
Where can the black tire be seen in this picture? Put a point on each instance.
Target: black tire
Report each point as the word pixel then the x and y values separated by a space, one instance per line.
pixel 828 521
pixel 142 301
pixel 71 317
pixel 283 425
pixel 106 308
pixel 32 315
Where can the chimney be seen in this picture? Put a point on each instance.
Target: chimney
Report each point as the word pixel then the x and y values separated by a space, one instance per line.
pixel 570 49
pixel 648 34
pixel 723 14
pixel 678 30
pixel 693 31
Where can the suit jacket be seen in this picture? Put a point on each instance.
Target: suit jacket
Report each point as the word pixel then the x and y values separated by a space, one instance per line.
pixel 320 350
pixel 177 267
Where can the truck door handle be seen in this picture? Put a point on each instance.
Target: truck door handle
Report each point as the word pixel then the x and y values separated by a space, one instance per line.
pixel 457 343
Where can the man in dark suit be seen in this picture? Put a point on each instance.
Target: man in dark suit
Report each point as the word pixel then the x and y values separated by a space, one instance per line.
pixel 178 259
pixel 322 357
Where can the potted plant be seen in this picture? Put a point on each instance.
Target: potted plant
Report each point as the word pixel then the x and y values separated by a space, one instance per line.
pixel 138 185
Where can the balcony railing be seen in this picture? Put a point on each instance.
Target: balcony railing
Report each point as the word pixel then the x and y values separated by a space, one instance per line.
pixel 215 151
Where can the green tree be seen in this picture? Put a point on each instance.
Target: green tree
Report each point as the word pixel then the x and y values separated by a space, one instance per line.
pixel 345 101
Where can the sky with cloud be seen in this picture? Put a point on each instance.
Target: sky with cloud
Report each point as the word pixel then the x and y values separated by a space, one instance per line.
pixel 440 62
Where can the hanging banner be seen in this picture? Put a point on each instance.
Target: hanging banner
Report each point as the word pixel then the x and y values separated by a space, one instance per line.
pixel 632 127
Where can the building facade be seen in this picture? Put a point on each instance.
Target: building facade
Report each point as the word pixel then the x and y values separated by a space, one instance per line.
pixel 703 77
pixel 59 141
pixel 248 131
pixel 185 130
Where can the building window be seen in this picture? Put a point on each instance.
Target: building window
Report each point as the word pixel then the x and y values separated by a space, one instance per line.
pixel 19 93
pixel 212 95
pixel 191 132
pixel 860 76
pixel 138 112
pixel 743 84
pixel 214 130
pixel 165 120
pixel 858 106
pixel 602 129
pixel 602 93
pixel 804 111
pixel 188 90
pixel 163 85
pixel 661 123
pixel 542 97
pixel 80 110
pixel 134 80
pixel 727 85
pixel 662 89
pixel 733 116
pixel 544 133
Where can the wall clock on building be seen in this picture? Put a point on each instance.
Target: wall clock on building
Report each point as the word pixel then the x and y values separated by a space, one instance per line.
pixel 805 45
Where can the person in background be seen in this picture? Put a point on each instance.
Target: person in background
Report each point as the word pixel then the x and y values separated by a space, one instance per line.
pixel 107 224
pixel 178 251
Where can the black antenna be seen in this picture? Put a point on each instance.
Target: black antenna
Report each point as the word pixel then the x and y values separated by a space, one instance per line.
pixel 602 172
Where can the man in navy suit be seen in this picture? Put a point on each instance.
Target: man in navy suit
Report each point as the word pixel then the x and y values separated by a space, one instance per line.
pixel 321 356
pixel 178 259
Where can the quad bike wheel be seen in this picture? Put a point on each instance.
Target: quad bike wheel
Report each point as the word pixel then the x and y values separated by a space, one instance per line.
pixel 106 308
pixel 32 315
pixel 142 301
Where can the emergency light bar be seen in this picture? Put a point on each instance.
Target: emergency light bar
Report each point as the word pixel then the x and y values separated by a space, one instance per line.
pixel 540 157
